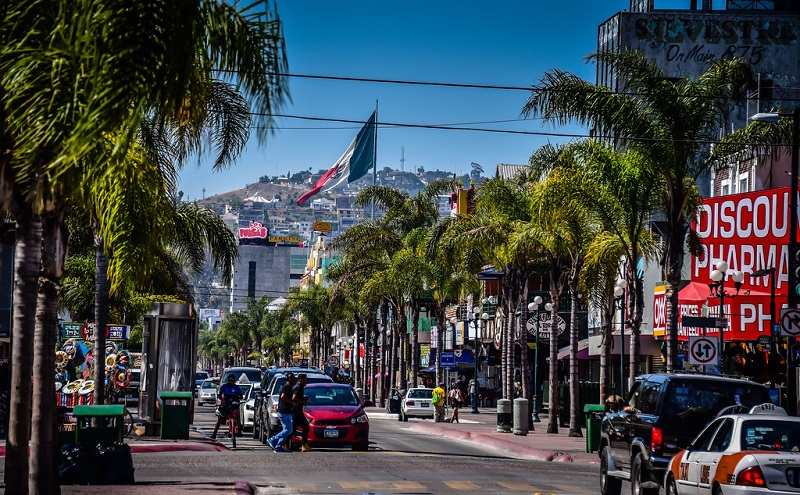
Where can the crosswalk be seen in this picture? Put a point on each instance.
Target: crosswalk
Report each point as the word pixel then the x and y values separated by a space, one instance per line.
pixel 410 487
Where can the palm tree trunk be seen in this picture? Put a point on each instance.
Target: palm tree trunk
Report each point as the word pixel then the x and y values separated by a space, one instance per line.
pixel 574 392
pixel 441 322
pixel 43 457
pixel 606 317
pixel 527 390
pixel 402 352
pixel 101 290
pixel 674 253
pixel 557 282
pixel 393 349
pixel 414 342
pixel 381 381
pixel 636 313
pixel 26 266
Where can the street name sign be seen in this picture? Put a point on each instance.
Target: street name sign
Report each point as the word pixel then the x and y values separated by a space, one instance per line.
pixel 703 350
pixel 448 359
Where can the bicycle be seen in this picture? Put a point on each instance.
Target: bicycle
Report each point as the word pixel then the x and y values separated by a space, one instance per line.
pixel 231 414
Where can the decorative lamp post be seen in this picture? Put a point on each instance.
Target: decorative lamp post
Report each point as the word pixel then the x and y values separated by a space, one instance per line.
pixel 476 315
pixel 719 276
pixel 534 308
pixel 794 247
pixel 619 300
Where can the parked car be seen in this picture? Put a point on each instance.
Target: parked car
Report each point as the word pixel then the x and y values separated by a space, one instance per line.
pixel 663 412
pixel 243 374
pixel 261 410
pixel 416 404
pixel 199 378
pixel 208 392
pixel 269 410
pixel 336 417
pixel 752 452
pixel 246 406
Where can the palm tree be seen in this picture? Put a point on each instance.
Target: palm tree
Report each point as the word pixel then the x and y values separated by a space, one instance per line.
pixel 667 121
pixel 131 73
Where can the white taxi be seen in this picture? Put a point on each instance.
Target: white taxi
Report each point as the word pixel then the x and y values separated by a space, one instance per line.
pixel 755 452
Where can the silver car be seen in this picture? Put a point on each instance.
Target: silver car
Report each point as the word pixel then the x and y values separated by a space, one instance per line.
pixel 417 404
pixel 207 393
pixel 246 407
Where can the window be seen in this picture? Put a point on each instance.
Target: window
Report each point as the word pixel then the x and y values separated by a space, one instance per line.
pixel 703 440
pixel 251 280
pixel 722 439
pixel 649 398
pixel 766 434
pixel 633 395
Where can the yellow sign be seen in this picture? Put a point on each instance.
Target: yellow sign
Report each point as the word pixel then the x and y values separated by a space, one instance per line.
pixel 285 238
pixel 323 226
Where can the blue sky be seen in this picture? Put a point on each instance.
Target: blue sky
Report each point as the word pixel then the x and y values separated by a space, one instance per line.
pixel 501 43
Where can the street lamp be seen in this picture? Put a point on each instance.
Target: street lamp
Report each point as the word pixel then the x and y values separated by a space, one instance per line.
pixel 476 315
pixel 718 276
pixel 619 293
pixel 791 379
pixel 534 308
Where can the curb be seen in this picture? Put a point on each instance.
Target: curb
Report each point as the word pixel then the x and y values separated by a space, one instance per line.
pixel 491 441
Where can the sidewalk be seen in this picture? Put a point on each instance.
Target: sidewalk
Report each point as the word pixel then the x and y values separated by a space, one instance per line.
pixel 482 428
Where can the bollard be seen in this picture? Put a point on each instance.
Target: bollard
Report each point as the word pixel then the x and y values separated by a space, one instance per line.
pixel 360 393
pixel 521 417
pixel 504 415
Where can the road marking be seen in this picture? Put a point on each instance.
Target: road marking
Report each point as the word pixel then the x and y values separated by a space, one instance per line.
pixel 408 485
pixel 355 485
pixel 466 486
pixel 519 487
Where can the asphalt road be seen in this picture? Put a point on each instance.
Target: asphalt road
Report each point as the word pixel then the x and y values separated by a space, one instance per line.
pixel 399 461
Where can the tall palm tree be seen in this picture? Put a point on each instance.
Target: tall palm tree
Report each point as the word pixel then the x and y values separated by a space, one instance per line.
pixel 668 121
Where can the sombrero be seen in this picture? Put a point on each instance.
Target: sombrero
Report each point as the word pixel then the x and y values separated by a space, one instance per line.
pixel 122 378
pixel 87 387
pixel 61 359
pixel 72 387
pixel 111 360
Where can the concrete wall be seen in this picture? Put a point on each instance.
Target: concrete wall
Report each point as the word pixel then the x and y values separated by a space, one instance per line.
pixel 271 273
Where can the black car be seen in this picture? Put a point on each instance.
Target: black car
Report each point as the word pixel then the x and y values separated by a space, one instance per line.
pixel 662 414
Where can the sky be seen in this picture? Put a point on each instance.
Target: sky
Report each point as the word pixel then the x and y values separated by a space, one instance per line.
pixel 508 43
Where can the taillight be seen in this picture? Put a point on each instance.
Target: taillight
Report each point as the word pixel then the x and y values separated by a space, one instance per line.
pixel 751 476
pixel 657 438
pixel 410 403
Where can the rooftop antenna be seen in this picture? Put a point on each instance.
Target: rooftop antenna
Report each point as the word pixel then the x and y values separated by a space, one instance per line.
pixel 402 158
pixel 204 193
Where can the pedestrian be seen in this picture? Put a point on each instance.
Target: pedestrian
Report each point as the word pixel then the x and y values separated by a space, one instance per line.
pixel 456 399
pixel 299 417
pixel 437 399
pixel 285 407
pixel 473 393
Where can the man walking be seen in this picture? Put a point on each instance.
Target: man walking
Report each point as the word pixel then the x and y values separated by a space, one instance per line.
pixel 300 400
pixel 437 399
pixel 473 394
pixel 285 407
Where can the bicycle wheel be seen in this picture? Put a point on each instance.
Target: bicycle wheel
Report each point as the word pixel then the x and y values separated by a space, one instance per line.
pixel 232 431
pixel 128 423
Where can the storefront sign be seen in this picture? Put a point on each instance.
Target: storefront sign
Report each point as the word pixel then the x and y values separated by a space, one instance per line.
pixel 253 233
pixel 86 331
pixel 323 226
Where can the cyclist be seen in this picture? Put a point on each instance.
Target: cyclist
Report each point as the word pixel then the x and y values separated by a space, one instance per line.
pixel 228 393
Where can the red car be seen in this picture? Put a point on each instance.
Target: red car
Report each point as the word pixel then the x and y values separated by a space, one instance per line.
pixel 336 416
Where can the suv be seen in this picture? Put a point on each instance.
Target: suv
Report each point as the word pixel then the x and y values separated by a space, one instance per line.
pixel 663 413
pixel 269 422
pixel 253 375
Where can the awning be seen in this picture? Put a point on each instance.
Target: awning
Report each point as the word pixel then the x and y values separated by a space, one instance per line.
pixel 432 369
pixel 583 351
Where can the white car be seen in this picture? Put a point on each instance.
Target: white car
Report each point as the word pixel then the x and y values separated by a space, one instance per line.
pixel 247 406
pixel 748 453
pixel 207 393
pixel 416 403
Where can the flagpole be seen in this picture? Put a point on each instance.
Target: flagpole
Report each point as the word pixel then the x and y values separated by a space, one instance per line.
pixel 375 159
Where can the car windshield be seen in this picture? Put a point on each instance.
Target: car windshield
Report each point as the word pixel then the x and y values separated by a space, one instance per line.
pixel 253 376
pixel 331 396
pixel 281 381
pixel 200 375
pixel 770 434
pixel 420 393
pixel 208 384
pixel 711 396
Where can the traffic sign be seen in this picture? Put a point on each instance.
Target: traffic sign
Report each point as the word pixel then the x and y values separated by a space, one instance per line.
pixel 790 321
pixel 333 361
pixel 448 359
pixel 703 350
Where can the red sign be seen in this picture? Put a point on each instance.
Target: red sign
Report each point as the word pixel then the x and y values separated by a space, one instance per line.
pixel 254 231
pixel 750 231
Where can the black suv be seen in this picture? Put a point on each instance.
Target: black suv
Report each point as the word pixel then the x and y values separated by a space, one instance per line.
pixel 662 414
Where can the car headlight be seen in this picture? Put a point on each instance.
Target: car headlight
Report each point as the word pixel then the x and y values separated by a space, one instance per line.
pixel 359 419
pixel 273 409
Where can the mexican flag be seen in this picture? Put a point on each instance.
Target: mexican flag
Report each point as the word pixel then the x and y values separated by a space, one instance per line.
pixel 353 164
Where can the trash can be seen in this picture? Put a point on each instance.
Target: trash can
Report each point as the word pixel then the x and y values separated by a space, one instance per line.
pixel 176 411
pixel 99 424
pixel 393 404
pixel 594 417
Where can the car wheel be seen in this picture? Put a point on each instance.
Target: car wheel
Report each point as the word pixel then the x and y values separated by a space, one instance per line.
pixel 608 484
pixel 263 435
pixel 671 487
pixel 361 447
pixel 640 475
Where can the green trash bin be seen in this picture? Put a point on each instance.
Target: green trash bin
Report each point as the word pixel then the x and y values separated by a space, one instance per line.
pixel 594 416
pixel 99 424
pixel 176 412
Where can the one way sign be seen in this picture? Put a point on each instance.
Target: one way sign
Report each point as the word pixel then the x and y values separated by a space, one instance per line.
pixel 703 350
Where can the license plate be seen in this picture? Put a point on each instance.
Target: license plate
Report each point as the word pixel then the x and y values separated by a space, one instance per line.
pixel 425 404
pixel 331 433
